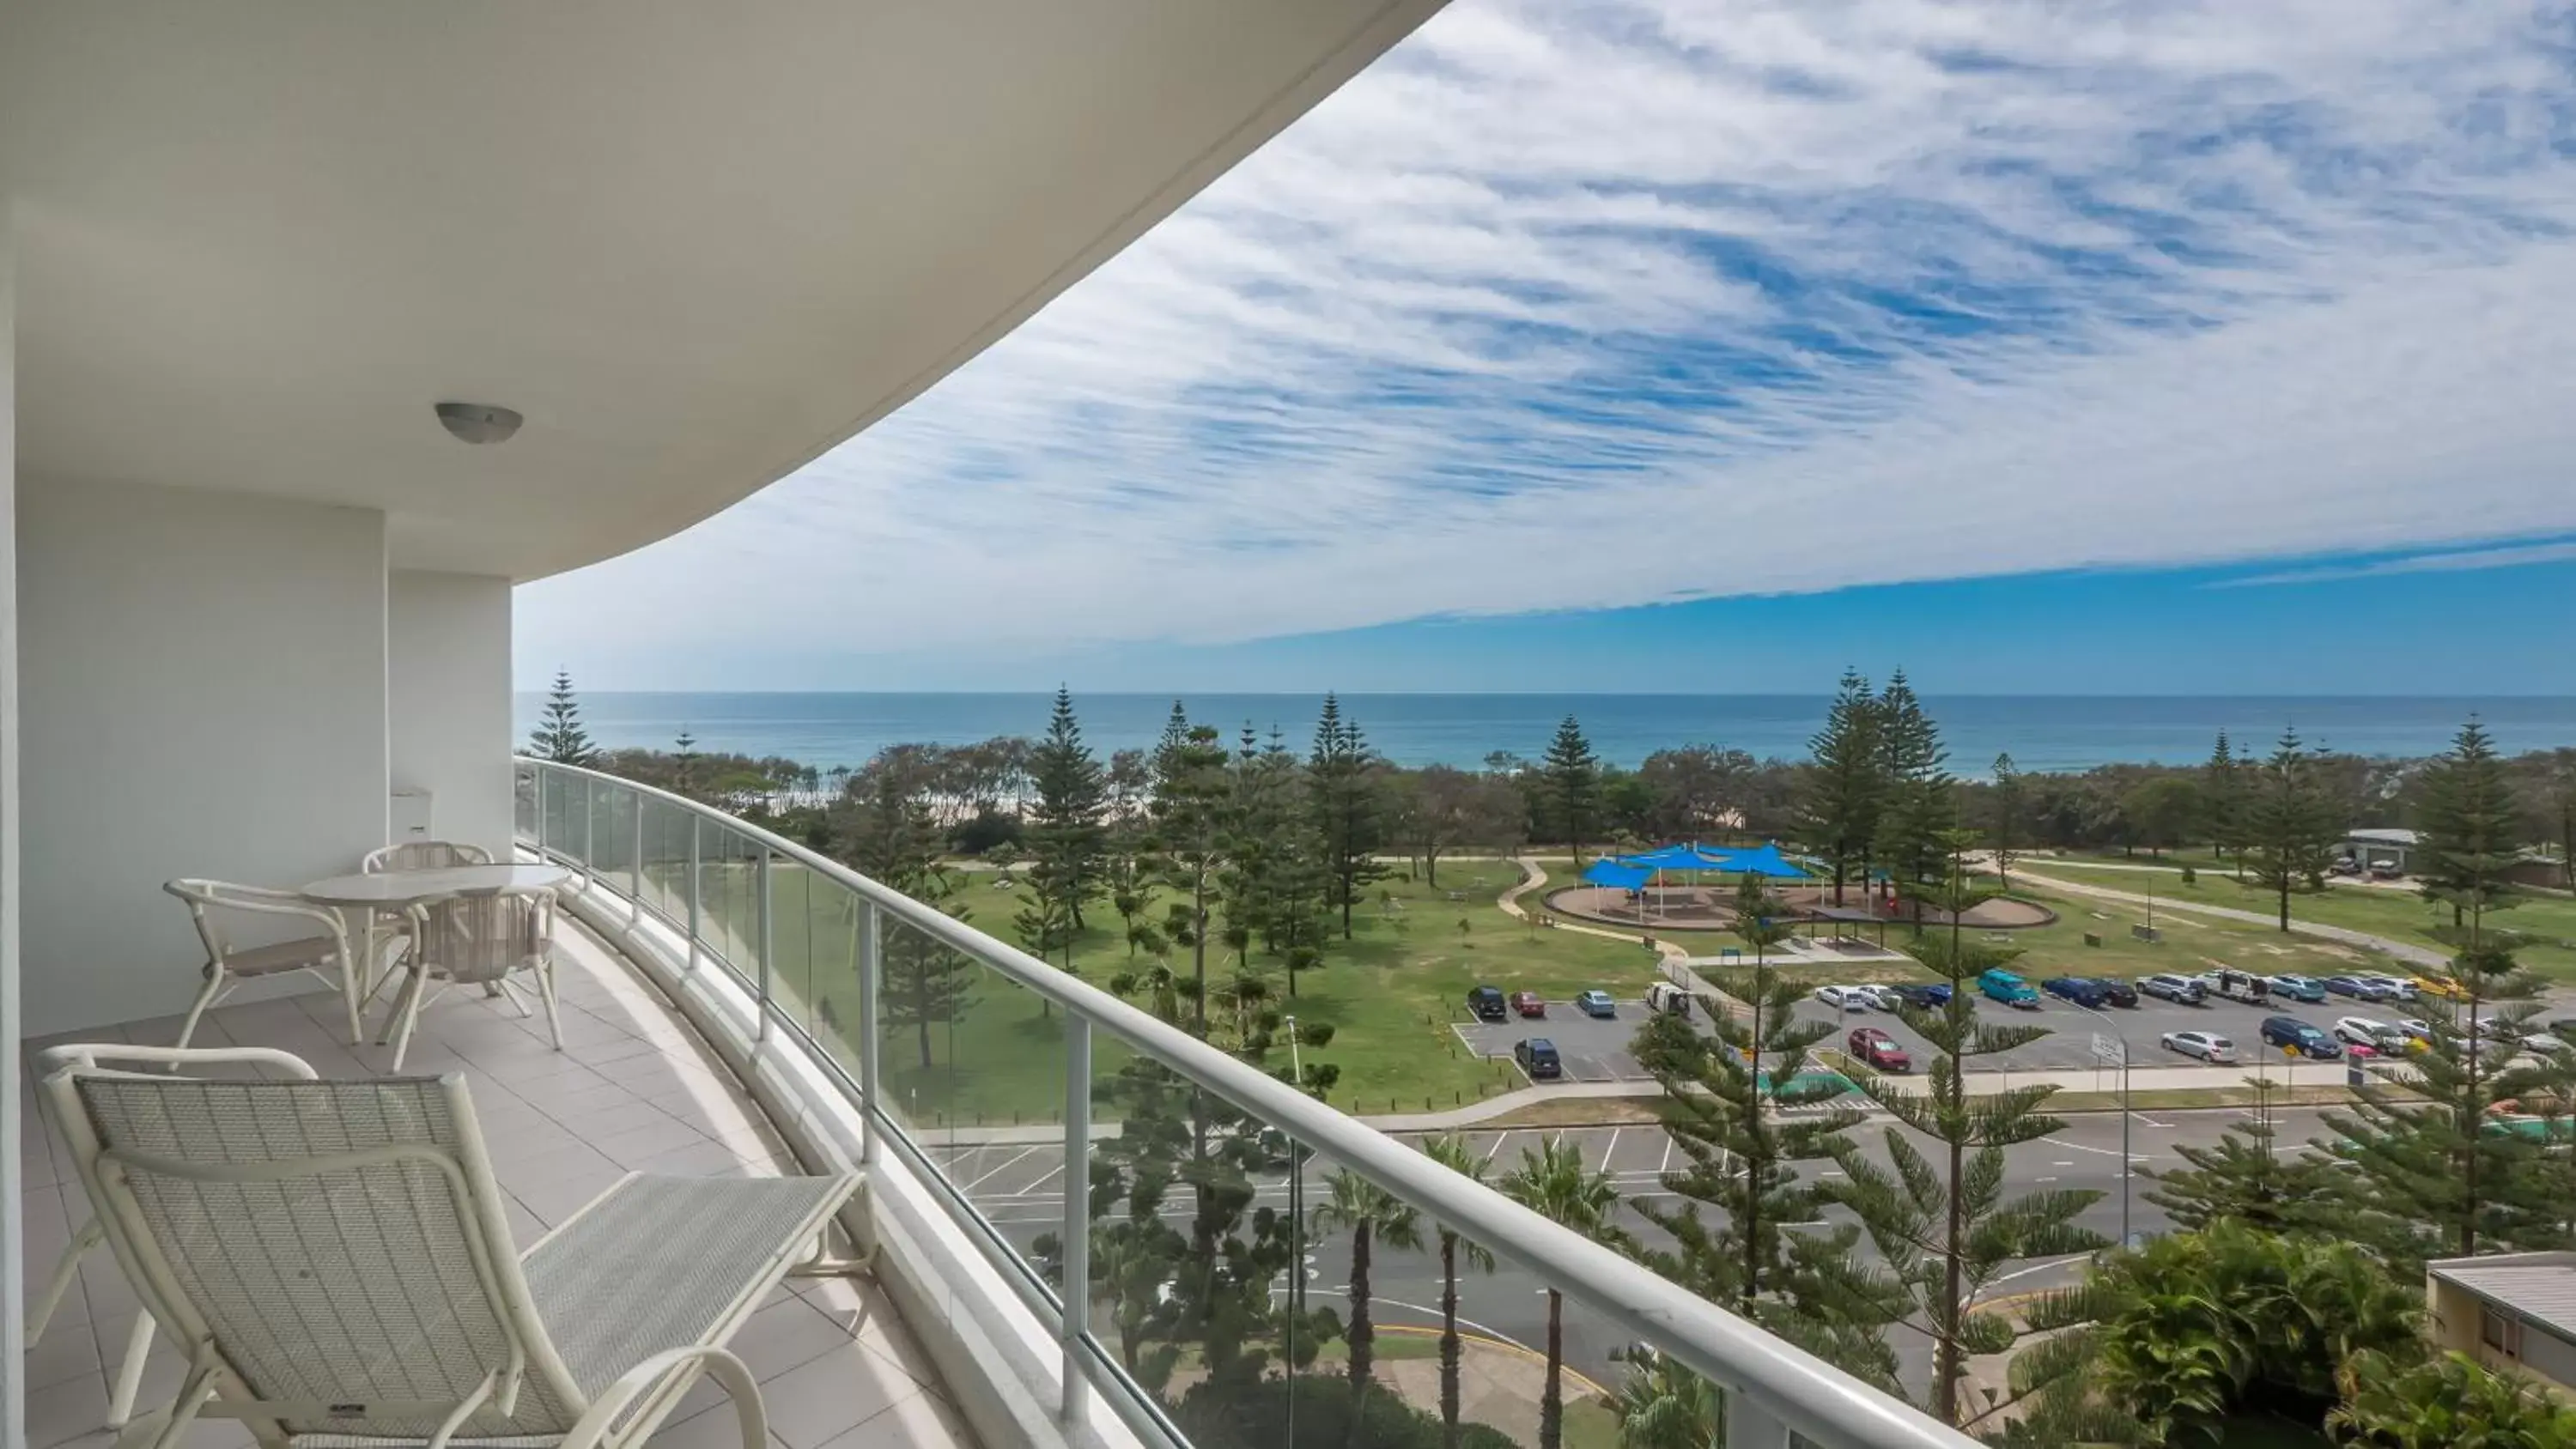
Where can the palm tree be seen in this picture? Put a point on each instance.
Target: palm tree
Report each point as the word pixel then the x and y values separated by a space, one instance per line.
pixel 2176 1361
pixel 1452 1152
pixel 1662 1405
pixel 1369 1212
pixel 1551 1181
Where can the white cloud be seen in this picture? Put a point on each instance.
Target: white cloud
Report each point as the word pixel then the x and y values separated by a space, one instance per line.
pixel 1572 306
pixel 2453 561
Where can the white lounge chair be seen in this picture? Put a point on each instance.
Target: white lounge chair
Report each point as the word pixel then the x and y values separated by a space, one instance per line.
pixel 103 1057
pixel 335 1257
pixel 477 940
pixel 216 905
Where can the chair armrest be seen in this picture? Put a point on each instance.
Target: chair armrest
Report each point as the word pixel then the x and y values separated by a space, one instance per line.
pixel 727 1370
pixel 91 1054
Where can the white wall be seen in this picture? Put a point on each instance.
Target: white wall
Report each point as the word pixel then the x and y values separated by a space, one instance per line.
pixel 449 638
pixel 202 685
pixel 13 1126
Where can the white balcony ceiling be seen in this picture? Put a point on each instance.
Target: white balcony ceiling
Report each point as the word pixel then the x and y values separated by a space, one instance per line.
pixel 695 244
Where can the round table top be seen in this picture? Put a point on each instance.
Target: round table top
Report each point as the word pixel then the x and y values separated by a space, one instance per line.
pixel 411 887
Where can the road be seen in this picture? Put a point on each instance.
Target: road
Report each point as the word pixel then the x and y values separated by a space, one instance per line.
pixel 1020 1190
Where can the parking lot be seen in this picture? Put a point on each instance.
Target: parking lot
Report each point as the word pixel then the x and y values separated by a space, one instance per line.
pixel 1591 1049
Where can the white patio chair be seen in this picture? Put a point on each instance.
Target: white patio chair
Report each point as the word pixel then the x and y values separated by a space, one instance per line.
pixel 335 1257
pixel 97 1056
pixel 215 906
pixel 410 855
pixel 477 940
pixel 423 855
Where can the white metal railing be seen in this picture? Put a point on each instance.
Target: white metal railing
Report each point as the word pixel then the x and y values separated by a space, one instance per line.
pixel 1776 1391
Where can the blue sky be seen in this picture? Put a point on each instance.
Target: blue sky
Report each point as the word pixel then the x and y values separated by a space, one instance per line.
pixel 2109 348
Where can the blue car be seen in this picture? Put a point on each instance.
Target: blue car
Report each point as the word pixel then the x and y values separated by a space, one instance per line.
pixel 2084 992
pixel 1925 998
pixel 2298 988
pixel 2308 1041
pixel 2011 990
pixel 2357 987
pixel 1596 1003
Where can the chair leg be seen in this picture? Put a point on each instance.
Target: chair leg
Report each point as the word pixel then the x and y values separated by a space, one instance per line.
pixel 197 1008
pixel 408 1009
pixel 546 989
pixel 511 993
pixel 41 1312
pixel 129 1374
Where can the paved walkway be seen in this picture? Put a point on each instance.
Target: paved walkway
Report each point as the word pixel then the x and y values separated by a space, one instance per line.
pixel 2404 951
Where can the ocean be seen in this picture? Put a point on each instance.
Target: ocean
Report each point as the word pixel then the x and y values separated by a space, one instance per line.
pixel 2042 732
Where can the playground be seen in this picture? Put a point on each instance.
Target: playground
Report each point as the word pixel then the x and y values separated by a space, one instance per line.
pixel 1692 888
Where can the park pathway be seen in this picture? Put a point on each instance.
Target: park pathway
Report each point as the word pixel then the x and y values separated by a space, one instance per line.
pixel 2407 952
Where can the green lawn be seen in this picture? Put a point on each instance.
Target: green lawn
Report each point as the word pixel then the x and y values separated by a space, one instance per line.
pixel 2190 943
pixel 2399 915
pixel 1390 992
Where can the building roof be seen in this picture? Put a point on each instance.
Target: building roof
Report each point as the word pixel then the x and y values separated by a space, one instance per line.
pixel 2539 1286
pixel 2383 837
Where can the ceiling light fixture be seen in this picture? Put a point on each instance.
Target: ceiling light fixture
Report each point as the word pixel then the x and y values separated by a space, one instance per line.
pixel 478 422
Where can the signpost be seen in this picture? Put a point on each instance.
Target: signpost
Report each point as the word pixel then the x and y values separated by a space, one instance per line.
pixel 2111 1049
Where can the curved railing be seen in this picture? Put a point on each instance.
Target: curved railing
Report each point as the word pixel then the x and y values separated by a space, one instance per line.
pixel 916 1014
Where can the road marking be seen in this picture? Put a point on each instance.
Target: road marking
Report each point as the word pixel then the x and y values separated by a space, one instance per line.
pixel 1831 1172
pixel 986 1175
pixel 2150 1121
pixel 1610 1153
pixel 2070 1162
pixel 1667 1164
pixel 1497 1147
pixel 2103 1151
pixel 2043 1179
pixel 1052 1174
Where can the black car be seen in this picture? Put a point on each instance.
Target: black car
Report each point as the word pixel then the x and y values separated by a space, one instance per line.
pixel 2118 993
pixel 2082 991
pixel 1924 998
pixel 1486 1003
pixel 2289 1031
pixel 1537 1056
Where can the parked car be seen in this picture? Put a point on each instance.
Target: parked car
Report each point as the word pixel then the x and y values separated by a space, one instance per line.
pixel 1842 998
pixel 2080 990
pixel 2180 989
pixel 1875 1048
pixel 2298 988
pixel 1537 1057
pixel 2439 986
pixel 2370 1032
pixel 1596 1003
pixel 1664 996
pixel 2011 990
pixel 2400 988
pixel 2118 992
pixel 2229 984
pixel 2200 1044
pixel 1486 1003
pixel 2344 865
pixel 1925 997
pixel 2417 1028
pixel 1528 1003
pixel 1882 997
pixel 2358 987
pixel 2292 1034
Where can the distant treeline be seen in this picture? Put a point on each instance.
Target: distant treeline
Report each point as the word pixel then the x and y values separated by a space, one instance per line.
pixel 979 795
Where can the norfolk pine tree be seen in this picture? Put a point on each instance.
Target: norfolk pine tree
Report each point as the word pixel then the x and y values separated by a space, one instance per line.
pixel 2222 793
pixel 1348 799
pixel 2245 1177
pixel 2438 1176
pixel 1842 788
pixel 2289 826
pixel 1941 1223
pixel 559 736
pixel 1742 1116
pixel 894 839
pixel 1569 783
pixel 2003 821
pixel 1067 833
pixel 1919 805
pixel 1189 808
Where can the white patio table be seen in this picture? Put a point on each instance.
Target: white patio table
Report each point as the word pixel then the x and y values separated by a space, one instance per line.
pixel 395 890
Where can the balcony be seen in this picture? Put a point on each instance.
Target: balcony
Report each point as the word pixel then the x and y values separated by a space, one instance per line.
pixel 736 1003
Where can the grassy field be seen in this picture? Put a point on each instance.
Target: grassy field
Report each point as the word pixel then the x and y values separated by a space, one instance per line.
pixel 1390 992
pixel 2399 915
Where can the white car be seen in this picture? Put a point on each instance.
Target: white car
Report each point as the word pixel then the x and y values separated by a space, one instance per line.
pixel 1882 997
pixel 1842 998
pixel 2416 1027
pixel 2399 988
pixel 2200 1044
pixel 2365 1031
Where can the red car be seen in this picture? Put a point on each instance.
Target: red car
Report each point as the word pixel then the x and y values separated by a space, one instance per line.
pixel 1527 1003
pixel 1875 1048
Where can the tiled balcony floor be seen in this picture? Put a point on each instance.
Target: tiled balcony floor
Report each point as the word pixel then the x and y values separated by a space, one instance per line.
pixel 632 1090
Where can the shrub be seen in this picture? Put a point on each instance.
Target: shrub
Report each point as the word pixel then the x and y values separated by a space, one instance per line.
pixel 1262 1416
